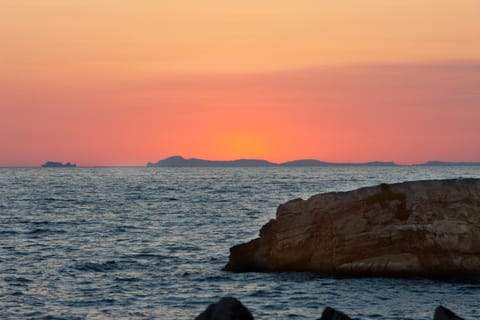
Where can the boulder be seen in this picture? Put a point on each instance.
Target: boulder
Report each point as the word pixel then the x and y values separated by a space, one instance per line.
pixel 442 313
pixel 411 229
pixel 332 314
pixel 227 308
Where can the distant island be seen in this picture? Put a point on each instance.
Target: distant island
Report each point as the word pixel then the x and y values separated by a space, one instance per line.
pixel 442 163
pixel 178 161
pixel 53 164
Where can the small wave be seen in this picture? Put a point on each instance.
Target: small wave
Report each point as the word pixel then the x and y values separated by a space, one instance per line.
pixel 127 279
pixel 259 293
pixel 214 279
pixel 164 189
pixel 39 231
pixel 40 222
pixel 5 232
pixel 97 267
pixel 148 256
pixel 18 280
pixel 125 228
pixel 294 316
pixel 169 199
pixel 121 229
pixel 50 317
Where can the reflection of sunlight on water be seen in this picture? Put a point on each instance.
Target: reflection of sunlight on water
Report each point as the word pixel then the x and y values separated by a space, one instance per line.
pixel 176 238
pixel 257 288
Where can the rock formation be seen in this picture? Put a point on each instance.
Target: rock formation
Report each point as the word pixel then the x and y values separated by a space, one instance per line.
pixel 227 308
pixel 442 313
pixel 410 229
pixel 332 314
pixel 53 164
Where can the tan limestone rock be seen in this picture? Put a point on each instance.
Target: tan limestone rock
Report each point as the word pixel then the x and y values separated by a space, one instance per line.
pixel 419 228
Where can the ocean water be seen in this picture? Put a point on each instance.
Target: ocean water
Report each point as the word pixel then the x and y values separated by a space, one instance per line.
pixel 150 243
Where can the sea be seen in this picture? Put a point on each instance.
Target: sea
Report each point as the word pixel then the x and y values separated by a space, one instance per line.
pixel 150 243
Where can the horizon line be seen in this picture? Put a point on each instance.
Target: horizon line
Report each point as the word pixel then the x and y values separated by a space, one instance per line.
pixel 325 163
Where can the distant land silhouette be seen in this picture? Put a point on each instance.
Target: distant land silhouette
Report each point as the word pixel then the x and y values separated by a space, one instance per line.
pixel 53 164
pixel 443 163
pixel 179 161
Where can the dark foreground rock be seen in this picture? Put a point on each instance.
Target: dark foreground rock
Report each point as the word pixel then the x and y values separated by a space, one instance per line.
pixel 442 313
pixel 226 309
pixel 232 309
pixel 332 314
pixel 411 229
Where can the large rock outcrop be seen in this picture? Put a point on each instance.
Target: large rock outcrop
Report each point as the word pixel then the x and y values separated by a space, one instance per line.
pixel 420 228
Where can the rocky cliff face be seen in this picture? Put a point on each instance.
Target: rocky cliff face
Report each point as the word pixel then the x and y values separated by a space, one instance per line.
pixel 420 228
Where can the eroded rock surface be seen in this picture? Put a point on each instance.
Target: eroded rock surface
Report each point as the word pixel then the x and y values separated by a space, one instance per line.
pixel 420 228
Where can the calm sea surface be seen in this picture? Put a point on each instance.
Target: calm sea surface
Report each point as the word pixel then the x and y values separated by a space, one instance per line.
pixel 150 243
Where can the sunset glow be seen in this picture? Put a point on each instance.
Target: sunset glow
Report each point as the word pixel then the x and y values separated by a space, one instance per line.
pixel 123 83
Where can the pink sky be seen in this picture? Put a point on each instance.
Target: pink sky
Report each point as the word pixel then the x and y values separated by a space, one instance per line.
pixel 403 113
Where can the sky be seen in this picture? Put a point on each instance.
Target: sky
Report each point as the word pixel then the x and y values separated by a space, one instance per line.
pixel 117 82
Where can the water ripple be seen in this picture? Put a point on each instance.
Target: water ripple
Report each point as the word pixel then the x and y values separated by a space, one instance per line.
pixel 145 243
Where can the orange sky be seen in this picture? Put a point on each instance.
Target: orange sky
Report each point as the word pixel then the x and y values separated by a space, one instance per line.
pixel 112 82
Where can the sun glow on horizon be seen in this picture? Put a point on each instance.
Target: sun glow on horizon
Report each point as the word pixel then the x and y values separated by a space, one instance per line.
pixel 243 145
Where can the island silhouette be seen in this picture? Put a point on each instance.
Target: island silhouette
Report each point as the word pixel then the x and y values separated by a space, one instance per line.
pixel 179 161
pixel 54 164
